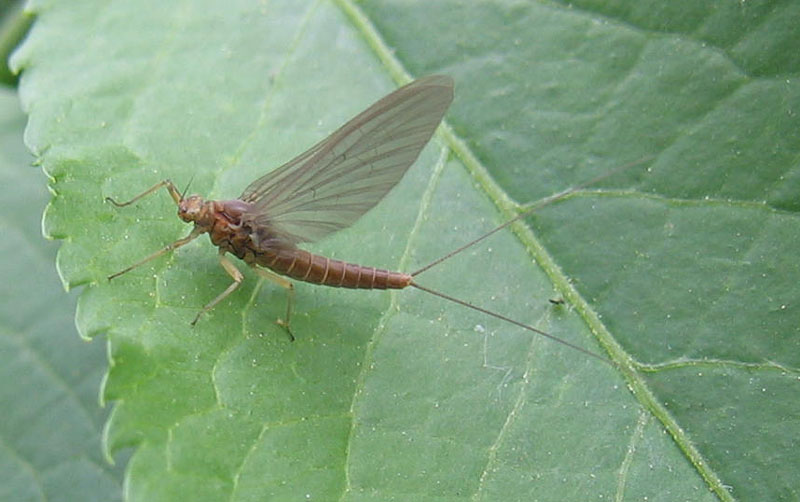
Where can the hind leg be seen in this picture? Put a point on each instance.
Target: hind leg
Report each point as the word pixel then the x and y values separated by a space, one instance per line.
pixel 286 284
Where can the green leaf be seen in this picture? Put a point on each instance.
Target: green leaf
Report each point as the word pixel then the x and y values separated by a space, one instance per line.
pixel 51 424
pixel 682 273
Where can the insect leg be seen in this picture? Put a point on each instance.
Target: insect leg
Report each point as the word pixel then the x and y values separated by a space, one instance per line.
pixel 166 249
pixel 173 192
pixel 286 284
pixel 237 279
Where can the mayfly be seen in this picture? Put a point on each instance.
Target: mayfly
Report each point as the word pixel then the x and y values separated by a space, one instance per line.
pixel 322 190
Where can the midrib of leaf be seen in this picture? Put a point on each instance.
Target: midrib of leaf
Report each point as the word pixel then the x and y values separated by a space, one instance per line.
pixel 509 209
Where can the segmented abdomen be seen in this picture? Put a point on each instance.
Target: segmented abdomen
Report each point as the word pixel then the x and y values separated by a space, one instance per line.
pixel 304 266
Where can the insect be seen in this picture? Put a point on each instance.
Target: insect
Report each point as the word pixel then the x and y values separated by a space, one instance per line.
pixel 324 189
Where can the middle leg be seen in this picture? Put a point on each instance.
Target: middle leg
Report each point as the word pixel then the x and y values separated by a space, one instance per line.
pixel 237 280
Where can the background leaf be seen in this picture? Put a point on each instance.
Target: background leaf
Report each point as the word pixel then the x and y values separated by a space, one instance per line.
pixel 682 273
pixel 14 24
pixel 51 424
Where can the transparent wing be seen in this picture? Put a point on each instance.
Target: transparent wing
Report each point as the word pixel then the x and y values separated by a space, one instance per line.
pixel 340 178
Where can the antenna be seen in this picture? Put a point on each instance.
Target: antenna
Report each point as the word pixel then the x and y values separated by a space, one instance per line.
pixel 183 194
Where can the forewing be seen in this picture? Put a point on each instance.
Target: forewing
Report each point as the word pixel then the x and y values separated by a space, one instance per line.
pixel 332 184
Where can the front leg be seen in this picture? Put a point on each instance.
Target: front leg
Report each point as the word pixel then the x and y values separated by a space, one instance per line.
pixel 237 280
pixel 196 232
pixel 171 188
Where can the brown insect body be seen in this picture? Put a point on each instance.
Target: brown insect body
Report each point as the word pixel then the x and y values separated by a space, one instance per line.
pixel 323 190
pixel 308 267
pixel 228 228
